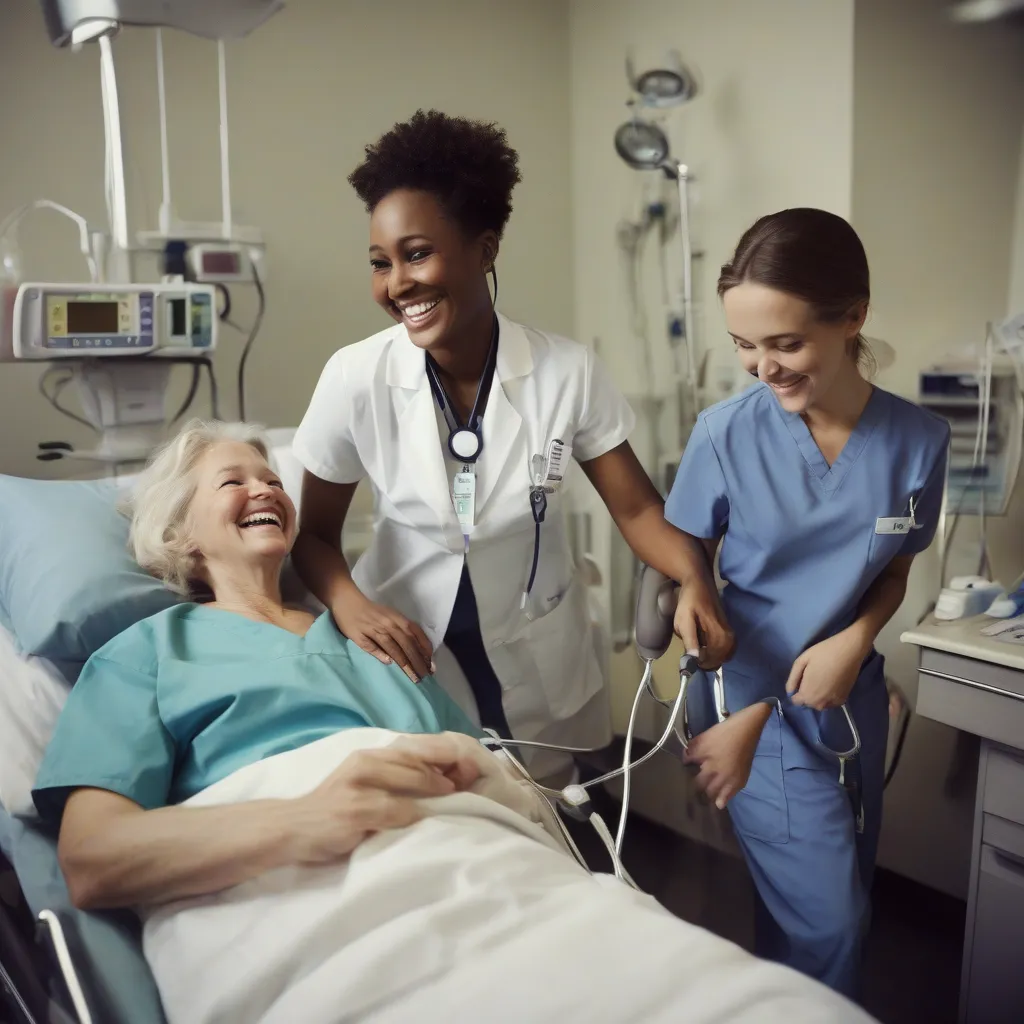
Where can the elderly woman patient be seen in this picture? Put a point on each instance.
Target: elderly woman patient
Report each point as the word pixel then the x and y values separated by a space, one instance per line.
pixel 192 694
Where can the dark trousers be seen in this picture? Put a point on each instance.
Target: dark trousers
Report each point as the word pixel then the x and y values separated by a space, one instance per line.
pixel 463 639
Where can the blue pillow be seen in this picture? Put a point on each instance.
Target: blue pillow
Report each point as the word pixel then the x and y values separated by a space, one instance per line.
pixel 68 583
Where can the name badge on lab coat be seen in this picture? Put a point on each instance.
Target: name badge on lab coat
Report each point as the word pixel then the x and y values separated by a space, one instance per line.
pixel 549 468
pixel 464 499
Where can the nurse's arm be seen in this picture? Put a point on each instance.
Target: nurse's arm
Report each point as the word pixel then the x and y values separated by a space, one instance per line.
pixel 317 553
pixel 639 513
pixel 380 631
pixel 881 601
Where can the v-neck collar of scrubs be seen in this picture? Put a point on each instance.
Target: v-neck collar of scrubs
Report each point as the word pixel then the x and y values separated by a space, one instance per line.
pixel 830 477
pixel 311 639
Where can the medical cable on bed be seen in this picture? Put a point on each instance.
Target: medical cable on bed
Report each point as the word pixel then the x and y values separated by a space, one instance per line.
pixel 653 633
pixel 575 797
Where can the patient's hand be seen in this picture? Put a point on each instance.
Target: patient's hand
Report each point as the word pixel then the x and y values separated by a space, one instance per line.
pixel 374 790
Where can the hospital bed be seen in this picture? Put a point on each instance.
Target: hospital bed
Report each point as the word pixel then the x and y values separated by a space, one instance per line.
pixel 59 964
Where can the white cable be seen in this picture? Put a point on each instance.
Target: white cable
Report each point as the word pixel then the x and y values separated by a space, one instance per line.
pixel 115 150
pixel 645 683
pixel 546 794
pixel 676 707
pixel 225 175
pixel 165 156
pixel 67 965
pixel 606 837
pixel 613 844
pixel 983 560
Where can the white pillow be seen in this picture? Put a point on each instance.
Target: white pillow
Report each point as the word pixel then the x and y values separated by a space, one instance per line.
pixel 32 694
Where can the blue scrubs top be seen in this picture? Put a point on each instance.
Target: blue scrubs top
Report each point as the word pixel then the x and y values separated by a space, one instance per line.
pixel 186 697
pixel 800 546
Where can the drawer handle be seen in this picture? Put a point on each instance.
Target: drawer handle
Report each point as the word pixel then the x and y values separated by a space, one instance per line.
pixel 1003 865
pixel 974 684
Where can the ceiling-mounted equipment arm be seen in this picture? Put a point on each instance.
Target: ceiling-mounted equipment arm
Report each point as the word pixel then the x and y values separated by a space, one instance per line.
pixel 70 22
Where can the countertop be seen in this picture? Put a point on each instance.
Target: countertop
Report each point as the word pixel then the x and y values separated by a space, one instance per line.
pixel 963 637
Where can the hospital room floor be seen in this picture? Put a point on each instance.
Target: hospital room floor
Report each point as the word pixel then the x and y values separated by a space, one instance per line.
pixel 912 968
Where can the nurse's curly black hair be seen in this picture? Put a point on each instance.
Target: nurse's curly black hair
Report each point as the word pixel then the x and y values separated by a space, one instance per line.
pixel 468 165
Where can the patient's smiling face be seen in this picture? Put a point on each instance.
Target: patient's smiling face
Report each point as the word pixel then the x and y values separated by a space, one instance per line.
pixel 239 512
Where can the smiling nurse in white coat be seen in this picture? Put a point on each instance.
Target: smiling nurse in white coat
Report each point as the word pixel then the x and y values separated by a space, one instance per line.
pixel 464 423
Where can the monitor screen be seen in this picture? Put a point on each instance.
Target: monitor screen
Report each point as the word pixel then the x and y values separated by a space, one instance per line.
pixel 92 317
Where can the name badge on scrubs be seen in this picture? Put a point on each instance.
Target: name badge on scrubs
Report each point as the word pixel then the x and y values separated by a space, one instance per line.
pixel 898 524
pixel 464 499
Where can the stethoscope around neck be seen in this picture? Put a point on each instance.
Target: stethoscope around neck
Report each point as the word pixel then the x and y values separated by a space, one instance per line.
pixel 465 440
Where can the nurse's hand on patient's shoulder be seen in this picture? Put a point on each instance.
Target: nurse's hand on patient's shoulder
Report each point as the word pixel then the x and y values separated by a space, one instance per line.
pixel 386 634
pixel 701 624
pixel 725 753
pixel 374 790
pixel 823 676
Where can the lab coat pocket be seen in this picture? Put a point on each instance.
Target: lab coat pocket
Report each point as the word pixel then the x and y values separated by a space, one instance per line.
pixel 760 810
pixel 556 652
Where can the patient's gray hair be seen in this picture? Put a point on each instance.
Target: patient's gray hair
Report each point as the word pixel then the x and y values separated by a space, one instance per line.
pixel 162 494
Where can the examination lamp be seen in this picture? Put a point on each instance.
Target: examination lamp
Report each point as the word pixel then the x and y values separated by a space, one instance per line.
pixel 644 146
pixel 666 86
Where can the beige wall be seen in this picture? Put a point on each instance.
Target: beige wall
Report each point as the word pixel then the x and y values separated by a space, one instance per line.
pixel 937 130
pixel 306 92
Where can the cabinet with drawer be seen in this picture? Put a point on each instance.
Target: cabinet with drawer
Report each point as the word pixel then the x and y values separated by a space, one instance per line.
pixel 992 990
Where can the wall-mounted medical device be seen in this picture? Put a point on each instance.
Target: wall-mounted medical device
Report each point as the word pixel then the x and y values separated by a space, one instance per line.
pixel 117 337
pixel 220 263
pixel 71 321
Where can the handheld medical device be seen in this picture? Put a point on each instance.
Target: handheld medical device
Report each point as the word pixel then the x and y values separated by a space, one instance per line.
pixel 58 321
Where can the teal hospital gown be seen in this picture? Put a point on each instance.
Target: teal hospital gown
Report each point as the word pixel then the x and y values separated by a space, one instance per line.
pixel 186 697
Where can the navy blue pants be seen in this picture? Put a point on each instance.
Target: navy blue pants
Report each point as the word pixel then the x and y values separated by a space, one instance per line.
pixel 464 640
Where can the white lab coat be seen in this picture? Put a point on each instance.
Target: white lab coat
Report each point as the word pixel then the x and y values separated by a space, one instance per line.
pixel 373 415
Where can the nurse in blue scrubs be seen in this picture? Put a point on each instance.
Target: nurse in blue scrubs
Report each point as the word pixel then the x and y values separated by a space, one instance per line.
pixel 816 489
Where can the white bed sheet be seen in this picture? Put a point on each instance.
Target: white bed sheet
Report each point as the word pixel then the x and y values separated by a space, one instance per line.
pixel 474 913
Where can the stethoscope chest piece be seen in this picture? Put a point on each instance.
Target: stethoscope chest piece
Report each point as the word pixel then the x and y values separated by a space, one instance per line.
pixel 465 444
